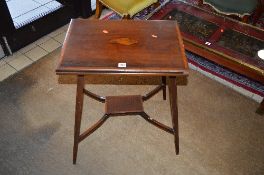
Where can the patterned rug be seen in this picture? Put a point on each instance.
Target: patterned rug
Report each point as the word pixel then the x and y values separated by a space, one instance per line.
pixel 200 62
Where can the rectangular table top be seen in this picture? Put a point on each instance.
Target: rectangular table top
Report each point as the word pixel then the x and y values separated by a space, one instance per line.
pixel 130 47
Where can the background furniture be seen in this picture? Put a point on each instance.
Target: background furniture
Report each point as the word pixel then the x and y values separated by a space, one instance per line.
pixel 125 8
pixel 95 47
pixel 24 24
pixel 241 8
pixel 224 41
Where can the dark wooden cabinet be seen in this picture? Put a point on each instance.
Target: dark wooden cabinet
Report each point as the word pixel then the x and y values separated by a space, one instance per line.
pixel 12 38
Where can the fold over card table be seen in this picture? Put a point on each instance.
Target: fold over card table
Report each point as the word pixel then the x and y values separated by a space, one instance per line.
pixel 123 47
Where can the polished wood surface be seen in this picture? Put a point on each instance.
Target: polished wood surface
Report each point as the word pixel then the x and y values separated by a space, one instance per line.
pixel 89 48
pixel 124 104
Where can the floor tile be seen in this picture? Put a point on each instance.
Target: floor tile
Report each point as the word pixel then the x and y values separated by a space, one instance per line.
pixel 50 45
pixel 60 38
pixel 28 48
pixel 2 54
pixel 13 57
pixel 56 32
pixel 42 40
pixel 20 62
pixel 6 71
pixel 2 62
pixel 36 53
pixel 65 27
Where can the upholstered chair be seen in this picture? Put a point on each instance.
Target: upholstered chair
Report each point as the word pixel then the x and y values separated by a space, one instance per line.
pixel 125 8
pixel 241 8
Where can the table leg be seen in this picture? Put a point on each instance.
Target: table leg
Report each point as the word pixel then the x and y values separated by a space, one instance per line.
pixel 164 87
pixel 78 115
pixel 174 111
pixel 260 109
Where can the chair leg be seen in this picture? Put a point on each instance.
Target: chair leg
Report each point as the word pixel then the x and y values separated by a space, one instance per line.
pixel 156 5
pixel 245 18
pixel 127 17
pixel 99 7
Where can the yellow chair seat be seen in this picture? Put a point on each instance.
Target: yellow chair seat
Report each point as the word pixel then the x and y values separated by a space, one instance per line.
pixel 127 7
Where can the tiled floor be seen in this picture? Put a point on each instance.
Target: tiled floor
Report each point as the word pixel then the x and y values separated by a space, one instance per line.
pixel 31 53
pixel 2 54
pixel 35 51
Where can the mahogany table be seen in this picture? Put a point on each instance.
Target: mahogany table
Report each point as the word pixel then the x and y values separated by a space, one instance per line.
pixel 130 48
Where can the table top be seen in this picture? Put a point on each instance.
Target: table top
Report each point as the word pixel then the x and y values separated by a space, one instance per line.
pixel 129 47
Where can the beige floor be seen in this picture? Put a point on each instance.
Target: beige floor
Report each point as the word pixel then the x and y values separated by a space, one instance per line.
pixel 220 134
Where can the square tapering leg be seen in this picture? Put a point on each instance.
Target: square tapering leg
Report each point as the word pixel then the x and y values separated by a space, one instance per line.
pixel 164 87
pixel 78 114
pixel 174 111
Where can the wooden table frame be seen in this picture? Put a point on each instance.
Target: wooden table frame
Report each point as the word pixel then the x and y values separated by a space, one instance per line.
pixel 118 50
pixel 81 91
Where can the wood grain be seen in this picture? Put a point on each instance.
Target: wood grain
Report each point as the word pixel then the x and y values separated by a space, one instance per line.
pixel 158 49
